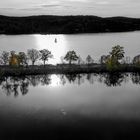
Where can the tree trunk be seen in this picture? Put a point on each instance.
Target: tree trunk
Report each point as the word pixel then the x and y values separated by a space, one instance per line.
pixel 33 63
pixel 70 62
pixel 44 63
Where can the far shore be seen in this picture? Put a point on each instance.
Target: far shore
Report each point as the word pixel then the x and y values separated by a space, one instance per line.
pixel 64 69
pixel 50 24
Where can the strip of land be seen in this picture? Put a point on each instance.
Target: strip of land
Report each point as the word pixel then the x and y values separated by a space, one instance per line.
pixel 46 24
pixel 63 69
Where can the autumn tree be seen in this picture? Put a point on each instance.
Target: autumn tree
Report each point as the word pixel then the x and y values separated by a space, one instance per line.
pixel 14 59
pixel 45 55
pixel 33 55
pixel 71 56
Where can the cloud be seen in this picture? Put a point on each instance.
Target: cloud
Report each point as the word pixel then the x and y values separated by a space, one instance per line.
pixel 69 7
pixel 78 0
pixel 102 2
pixel 49 5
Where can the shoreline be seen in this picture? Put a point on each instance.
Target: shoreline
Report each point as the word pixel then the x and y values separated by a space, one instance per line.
pixel 65 69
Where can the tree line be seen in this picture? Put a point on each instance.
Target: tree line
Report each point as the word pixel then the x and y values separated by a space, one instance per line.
pixel 112 60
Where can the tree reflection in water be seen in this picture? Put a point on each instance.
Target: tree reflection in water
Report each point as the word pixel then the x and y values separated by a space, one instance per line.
pixel 16 85
pixel 135 78
pixel 113 79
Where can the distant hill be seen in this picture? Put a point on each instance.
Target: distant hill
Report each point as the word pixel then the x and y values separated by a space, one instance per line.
pixel 66 24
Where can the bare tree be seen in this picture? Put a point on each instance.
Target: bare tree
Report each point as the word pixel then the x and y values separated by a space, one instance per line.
pixel 33 55
pixel 89 59
pixel 80 60
pixel 5 57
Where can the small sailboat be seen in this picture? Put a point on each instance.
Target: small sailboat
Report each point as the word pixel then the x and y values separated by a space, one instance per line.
pixel 55 40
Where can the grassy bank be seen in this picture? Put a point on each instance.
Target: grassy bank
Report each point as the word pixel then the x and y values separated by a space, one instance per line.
pixel 63 69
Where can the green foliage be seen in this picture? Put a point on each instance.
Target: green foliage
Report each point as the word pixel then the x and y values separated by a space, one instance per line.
pixel 45 55
pixel 71 56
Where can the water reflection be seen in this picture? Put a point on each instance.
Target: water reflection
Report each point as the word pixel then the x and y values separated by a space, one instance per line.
pixel 135 78
pixel 113 79
pixel 20 85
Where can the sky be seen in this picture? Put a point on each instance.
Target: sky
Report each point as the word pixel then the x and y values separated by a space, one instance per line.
pixel 104 8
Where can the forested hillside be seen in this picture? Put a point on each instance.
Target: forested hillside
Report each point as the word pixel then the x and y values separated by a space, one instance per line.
pixel 66 24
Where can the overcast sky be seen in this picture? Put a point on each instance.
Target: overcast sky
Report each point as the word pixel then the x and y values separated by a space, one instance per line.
pixel 129 8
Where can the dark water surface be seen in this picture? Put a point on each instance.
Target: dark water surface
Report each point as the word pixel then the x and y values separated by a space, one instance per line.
pixel 89 106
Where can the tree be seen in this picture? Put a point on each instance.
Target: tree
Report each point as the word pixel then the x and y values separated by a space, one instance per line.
pixel 71 56
pixel 5 57
pixel 117 54
pixel 89 59
pixel 12 53
pixel 104 59
pixel 136 60
pixel 33 55
pixel 45 55
pixel 79 60
pixel 14 59
pixel 126 60
pixel 23 58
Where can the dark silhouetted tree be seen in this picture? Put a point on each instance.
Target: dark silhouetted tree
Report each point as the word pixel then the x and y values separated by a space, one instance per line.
pixel 45 55
pixel 71 56
pixel 117 53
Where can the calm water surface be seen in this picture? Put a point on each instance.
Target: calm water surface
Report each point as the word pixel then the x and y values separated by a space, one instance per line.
pixel 47 104
pixel 106 95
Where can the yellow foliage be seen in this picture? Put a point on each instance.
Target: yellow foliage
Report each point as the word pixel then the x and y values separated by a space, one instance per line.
pixel 14 61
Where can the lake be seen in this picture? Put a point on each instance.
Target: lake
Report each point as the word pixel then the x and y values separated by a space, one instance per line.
pixel 84 44
pixel 102 106
pixel 99 106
